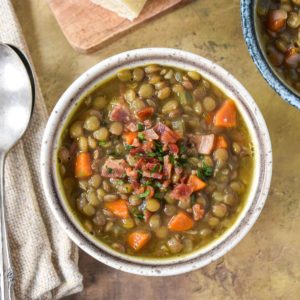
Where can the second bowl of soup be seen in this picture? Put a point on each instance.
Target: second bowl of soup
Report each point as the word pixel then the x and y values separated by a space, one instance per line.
pixel 159 165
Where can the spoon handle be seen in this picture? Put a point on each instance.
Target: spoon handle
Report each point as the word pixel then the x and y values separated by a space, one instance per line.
pixel 6 268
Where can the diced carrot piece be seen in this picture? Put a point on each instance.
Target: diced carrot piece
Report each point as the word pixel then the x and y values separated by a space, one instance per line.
pixel 118 207
pixel 181 222
pixel 221 142
pixel 83 165
pixel 138 239
pixel 129 137
pixel 226 115
pixel 196 183
pixel 145 113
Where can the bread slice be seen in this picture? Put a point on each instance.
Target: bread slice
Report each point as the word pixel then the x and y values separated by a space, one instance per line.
pixel 129 9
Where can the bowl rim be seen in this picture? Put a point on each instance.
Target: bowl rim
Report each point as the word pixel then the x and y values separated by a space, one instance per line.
pixel 70 99
pixel 258 57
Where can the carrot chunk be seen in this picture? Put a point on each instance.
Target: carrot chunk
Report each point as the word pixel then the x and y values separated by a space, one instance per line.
pixel 145 113
pixel 138 239
pixel 118 207
pixel 221 142
pixel 181 222
pixel 196 183
pixel 226 115
pixel 83 165
pixel 129 137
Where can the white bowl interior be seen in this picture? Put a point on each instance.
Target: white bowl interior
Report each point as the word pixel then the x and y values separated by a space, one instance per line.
pixel 251 115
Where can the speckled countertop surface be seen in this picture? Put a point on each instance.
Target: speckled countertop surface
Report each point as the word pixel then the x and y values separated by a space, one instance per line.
pixel 266 264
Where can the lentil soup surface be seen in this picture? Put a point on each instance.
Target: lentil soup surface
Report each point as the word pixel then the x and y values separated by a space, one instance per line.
pixel 278 23
pixel 156 162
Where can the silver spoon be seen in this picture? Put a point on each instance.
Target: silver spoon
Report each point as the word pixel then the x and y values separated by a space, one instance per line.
pixel 16 105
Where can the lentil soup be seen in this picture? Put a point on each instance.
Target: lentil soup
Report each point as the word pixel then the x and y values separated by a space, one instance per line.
pixel 156 162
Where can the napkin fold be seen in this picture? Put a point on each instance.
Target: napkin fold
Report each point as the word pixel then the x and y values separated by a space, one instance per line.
pixel 44 259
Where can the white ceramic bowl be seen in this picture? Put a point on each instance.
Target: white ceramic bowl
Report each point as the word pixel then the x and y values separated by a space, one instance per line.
pixel 66 106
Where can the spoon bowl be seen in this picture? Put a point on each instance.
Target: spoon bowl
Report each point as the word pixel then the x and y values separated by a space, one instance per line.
pixel 16 95
pixel 16 105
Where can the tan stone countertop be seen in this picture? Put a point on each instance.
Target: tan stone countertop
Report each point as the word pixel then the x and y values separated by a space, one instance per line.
pixel 266 264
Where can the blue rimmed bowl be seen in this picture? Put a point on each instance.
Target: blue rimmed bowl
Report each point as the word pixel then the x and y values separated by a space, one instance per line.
pixel 287 93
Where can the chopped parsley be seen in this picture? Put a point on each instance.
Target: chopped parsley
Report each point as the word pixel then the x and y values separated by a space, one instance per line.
pixel 141 136
pixel 154 169
pixel 128 147
pixel 193 199
pixel 119 182
pixel 145 194
pixel 172 159
pixel 151 154
pixel 158 184
pixel 182 148
pixel 140 127
pixel 205 172
pixel 136 213
pixel 109 170
pixel 102 143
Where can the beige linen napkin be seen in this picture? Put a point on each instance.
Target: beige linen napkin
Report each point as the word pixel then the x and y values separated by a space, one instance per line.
pixel 44 259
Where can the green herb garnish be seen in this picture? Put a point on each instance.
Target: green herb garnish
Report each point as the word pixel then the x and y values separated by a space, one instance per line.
pixel 154 169
pixel 140 127
pixel 193 199
pixel 205 172
pixel 172 159
pixel 136 213
pixel 182 148
pixel 141 136
pixel 102 143
pixel 151 154
pixel 128 147
pixel 110 170
pixel 145 194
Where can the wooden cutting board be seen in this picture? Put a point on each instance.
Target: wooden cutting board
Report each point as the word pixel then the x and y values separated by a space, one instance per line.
pixel 88 27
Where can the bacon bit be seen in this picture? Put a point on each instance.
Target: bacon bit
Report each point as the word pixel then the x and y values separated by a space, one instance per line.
pixel 147 215
pixel 181 192
pixel 183 179
pixel 132 127
pixel 120 113
pixel 173 148
pixel 148 174
pixel 114 168
pixel 167 167
pixel 136 143
pixel 135 151
pixel 139 190
pixel 131 172
pixel 148 147
pixel 203 143
pixel 150 134
pixel 148 123
pixel 145 113
pixel 198 212
pixel 178 170
pixel 166 183
pixel 167 136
